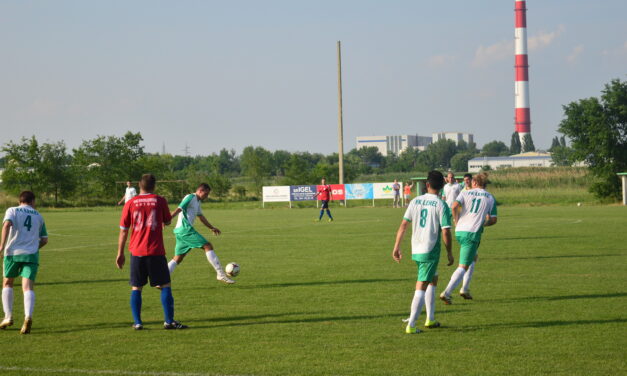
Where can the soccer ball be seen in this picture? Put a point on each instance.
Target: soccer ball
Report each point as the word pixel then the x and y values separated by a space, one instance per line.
pixel 232 269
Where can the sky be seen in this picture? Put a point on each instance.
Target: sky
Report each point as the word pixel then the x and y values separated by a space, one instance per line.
pixel 207 75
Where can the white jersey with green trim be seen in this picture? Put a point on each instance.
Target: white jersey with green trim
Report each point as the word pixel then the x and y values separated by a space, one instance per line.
pixel 428 214
pixel 190 209
pixel 451 191
pixel 476 204
pixel 27 229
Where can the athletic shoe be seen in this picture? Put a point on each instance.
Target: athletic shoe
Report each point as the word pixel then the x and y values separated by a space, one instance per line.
pixel 466 295
pixel 330 219
pixel 446 299
pixel 410 330
pixel 28 322
pixel 225 279
pixel 174 325
pixel 138 326
pixel 6 323
pixel 432 324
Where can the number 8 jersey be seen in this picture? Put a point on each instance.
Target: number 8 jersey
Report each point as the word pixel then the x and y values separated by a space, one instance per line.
pixel 428 215
pixel 476 204
pixel 27 228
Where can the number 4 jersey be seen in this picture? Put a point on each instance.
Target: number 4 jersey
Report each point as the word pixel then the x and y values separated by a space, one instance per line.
pixel 476 204
pixel 27 227
pixel 428 215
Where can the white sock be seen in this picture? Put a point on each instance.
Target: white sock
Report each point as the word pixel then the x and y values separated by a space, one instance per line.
pixel 430 302
pixel 7 302
pixel 29 303
pixel 214 261
pixel 456 278
pixel 172 265
pixel 468 277
pixel 416 307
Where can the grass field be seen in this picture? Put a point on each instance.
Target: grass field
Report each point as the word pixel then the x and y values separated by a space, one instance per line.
pixel 326 299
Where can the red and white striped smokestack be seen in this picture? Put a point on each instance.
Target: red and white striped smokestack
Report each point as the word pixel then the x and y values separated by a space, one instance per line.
pixel 521 88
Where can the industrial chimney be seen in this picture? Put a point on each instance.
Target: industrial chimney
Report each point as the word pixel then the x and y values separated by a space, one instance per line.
pixel 521 88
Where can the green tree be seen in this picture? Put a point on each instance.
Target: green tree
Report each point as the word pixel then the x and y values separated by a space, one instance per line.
pixel 459 162
pixel 554 143
pixel 597 129
pixel 494 149
pixel 55 171
pixel 563 156
pixel 528 144
pixel 256 163
pixel 23 165
pixel 514 146
pixel 297 170
pixel 438 154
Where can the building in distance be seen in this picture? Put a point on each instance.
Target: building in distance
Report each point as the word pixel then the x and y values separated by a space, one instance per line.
pixel 393 144
pixel 456 137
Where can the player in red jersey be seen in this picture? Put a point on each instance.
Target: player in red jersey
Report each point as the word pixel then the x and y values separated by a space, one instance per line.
pixel 145 215
pixel 324 191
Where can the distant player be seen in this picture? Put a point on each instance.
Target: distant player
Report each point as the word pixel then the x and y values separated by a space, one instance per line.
pixel 188 238
pixel 407 192
pixel 326 195
pixel 466 185
pixel 23 234
pixel 145 215
pixel 472 211
pixel 430 217
pixel 451 189
pixel 396 187
pixel 129 193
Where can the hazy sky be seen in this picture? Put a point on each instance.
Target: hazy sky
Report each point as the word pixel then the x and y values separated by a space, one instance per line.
pixel 227 74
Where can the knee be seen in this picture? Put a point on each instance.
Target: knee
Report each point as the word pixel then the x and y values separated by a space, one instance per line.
pixel 8 282
pixel 208 247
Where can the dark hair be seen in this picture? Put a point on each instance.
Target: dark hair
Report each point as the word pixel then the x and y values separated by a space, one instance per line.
pixel 468 176
pixel 435 180
pixel 27 197
pixel 148 182
pixel 204 186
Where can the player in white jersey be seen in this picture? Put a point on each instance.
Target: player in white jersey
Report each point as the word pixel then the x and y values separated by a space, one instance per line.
pixel 451 189
pixel 472 211
pixel 430 217
pixel 23 233
pixel 129 193
pixel 188 238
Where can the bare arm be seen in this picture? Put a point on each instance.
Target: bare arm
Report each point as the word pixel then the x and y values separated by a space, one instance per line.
pixel 176 212
pixel 396 253
pixel 456 209
pixel 120 259
pixel 490 221
pixel 42 242
pixel 122 200
pixel 6 227
pixel 204 220
pixel 448 243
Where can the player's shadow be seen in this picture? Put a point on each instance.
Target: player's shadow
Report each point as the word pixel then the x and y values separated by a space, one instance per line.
pixel 536 324
pixel 563 297
pixel 322 283
pixel 533 237
pixel 551 257
pixel 82 282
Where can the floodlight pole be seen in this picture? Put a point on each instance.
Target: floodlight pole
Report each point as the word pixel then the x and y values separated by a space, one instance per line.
pixel 340 124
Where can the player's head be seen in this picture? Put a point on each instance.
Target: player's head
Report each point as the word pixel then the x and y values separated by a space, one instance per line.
pixel 450 177
pixel 128 183
pixel 203 190
pixel 27 197
pixel 468 180
pixel 323 181
pixel 435 181
pixel 480 180
pixel 147 183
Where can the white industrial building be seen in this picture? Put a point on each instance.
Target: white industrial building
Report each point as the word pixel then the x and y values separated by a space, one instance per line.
pixel 531 159
pixel 456 137
pixel 393 144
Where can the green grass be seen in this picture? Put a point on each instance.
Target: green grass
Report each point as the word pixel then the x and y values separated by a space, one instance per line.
pixel 326 298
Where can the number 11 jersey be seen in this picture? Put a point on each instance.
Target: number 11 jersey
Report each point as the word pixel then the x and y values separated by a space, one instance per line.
pixel 476 204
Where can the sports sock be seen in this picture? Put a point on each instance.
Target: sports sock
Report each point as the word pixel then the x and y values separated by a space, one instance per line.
pixel 214 261
pixel 416 307
pixel 29 303
pixel 321 214
pixel 468 277
pixel 136 306
pixel 167 301
pixel 7 302
pixel 172 265
pixel 430 302
pixel 329 213
pixel 456 278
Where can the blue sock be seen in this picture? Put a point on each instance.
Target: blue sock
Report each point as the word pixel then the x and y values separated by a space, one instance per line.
pixel 321 214
pixel 329 213
pixel 136 305
pixel 167 301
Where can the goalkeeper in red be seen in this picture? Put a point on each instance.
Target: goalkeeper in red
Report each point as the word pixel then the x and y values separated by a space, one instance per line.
pixel 429 217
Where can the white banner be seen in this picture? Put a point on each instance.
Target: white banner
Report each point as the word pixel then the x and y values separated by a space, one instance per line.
pixel 280 193
pixel 385 190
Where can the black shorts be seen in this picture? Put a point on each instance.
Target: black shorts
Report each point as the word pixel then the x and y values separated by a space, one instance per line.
pixel 153 267
pixel 325 204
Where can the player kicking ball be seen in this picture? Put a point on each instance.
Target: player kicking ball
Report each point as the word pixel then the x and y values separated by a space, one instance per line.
pixel 430 217
pixel 23 234
pixel 188 238
pixel 472 210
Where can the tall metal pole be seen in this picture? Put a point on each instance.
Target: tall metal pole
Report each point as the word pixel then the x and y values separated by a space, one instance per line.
pixel 340 124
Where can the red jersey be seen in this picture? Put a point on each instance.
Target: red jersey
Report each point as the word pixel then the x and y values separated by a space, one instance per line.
pixel 324 192
pixel 146 214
